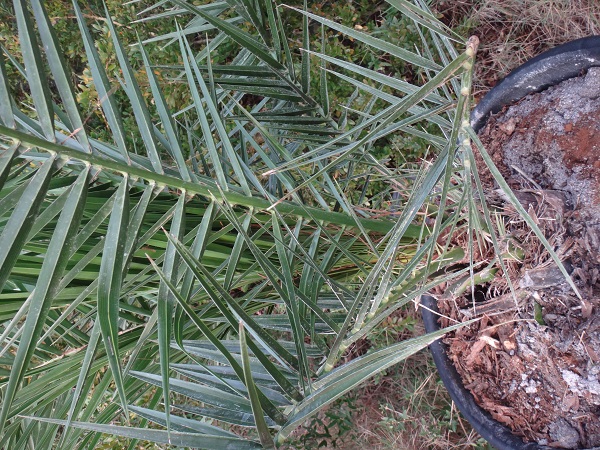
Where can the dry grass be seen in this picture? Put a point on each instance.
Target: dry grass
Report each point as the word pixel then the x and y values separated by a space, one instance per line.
pixel 411 410
pixel 513 31
pixel 405 409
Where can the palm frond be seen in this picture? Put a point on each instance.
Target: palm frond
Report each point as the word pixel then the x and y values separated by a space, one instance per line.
pixel 275 258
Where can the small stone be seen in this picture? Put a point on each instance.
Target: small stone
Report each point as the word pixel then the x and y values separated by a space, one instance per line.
pixel 563 434
pixel 572 380
pixel 591 84
pixel 509 126
pixel 530 387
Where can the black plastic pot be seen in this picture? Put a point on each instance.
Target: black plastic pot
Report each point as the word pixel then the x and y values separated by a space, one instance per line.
pixel 550 68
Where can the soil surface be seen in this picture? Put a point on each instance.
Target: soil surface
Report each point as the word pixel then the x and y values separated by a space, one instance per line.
pixel 533 361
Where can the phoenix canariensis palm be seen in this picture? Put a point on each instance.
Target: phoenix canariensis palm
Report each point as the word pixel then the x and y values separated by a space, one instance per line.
pixel 220 272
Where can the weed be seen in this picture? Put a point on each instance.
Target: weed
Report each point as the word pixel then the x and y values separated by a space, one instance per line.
pixel 332 428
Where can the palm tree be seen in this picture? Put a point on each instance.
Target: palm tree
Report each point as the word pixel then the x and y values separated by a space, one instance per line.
pixel 222 271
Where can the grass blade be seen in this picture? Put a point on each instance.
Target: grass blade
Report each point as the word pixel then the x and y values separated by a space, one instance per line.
pixel 199 392
pixel 222 299
pixel 6 114
pixel 274 31
pixel 350 375
pixel 271 409
pixel 305 73
pixel 323 86
pixel 192 28
pixel 381 119
pixel 62 78
pixel 197 251
pixel 374 42
pixel 286 47
pixel 188 60
pixel 166 301
pixel 180 423
pixel 425 18
pixel 236 253
pixel 252 12
pixel 291 303
pixel 519 207
pixel 195 440
pixel 17 228
pixel 241 419
pixel 140 110
pixel 101 83
pixel 365 73
pixel 83 374
pixel 38 83
pixel 238 35
pixel 165 117
pixel 6 159
pixel 231 156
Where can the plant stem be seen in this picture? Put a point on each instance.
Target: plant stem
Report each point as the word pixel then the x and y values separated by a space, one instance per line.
pixel 206 187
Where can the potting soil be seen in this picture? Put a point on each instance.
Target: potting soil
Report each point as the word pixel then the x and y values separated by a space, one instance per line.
pixel 533 361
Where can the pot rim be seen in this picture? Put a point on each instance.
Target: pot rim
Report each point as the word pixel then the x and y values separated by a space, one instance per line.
pixel 547 69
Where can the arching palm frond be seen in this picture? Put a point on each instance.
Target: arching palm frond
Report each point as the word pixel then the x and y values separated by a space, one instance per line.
pixel 221 270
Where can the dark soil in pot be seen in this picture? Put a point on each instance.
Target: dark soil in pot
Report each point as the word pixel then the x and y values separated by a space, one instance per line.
pixel 534 362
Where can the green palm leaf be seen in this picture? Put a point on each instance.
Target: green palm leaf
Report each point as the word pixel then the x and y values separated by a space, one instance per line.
pixel 274 226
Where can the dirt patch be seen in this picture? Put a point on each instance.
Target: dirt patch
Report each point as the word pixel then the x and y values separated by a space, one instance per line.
pixel 533 361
